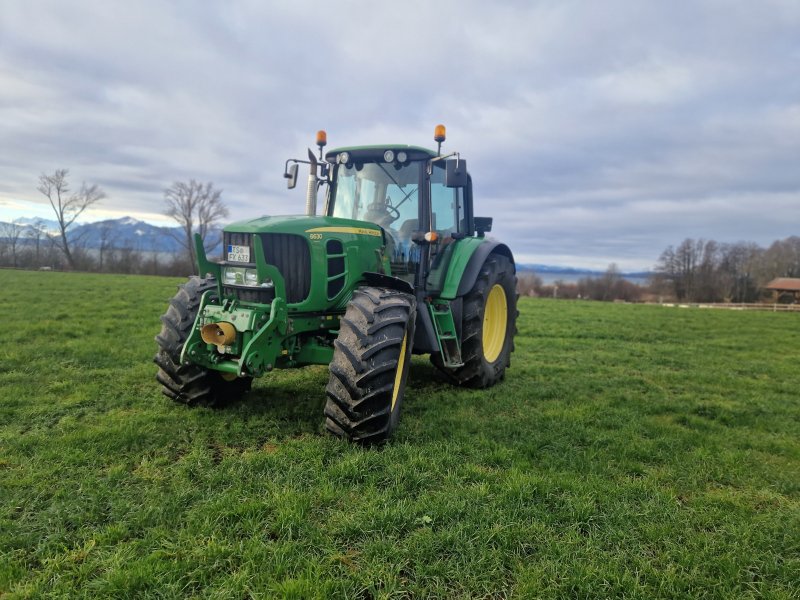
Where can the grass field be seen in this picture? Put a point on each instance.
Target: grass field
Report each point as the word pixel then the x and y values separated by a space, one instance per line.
pixel 634 451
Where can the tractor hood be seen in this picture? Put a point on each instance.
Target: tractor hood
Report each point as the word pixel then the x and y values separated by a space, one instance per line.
pixel 320 259
pixel 306 226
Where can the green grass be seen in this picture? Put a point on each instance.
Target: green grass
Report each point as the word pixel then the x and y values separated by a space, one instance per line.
pixel 633 451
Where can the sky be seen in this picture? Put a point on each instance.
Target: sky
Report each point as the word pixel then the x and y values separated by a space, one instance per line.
pixel 596 132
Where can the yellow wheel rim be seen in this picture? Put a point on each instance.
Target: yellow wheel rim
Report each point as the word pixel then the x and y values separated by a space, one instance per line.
pixel 398 377
pixel 495 321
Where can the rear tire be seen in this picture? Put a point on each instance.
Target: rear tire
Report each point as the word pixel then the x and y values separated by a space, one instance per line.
pixel 489 323
pixel 190 384
pixel 370 365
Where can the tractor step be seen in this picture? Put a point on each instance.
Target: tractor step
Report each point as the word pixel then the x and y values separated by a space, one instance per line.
pixel 445 327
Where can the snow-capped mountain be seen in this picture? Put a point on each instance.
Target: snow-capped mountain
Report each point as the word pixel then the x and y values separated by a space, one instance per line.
pixel 125 232
pixel 47 224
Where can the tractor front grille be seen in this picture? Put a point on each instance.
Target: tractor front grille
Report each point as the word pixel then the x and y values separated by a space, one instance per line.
pixel 250 294
pixel 289 253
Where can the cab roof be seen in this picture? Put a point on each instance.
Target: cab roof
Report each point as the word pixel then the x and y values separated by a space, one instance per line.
pixel 376 151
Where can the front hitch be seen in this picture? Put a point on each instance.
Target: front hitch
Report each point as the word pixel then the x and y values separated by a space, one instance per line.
pixel 259 335
pixel 259 329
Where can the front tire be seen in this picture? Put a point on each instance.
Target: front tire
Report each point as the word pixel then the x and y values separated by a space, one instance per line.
pixel 190 384
pixel 370 365
pixel 489 324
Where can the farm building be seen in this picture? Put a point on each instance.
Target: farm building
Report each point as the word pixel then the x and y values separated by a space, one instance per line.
pixel 786 289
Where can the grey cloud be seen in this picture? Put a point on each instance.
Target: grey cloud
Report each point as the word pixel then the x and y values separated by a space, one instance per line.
pixel 592 129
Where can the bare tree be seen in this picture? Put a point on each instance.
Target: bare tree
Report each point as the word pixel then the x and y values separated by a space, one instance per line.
pixel 707 271
pixel 128 259
pixel 67 207
pixel 106 244
pixel 610 286
pixel 782 259
pixel 197 207
pixel 609 282
pixel 36 231
pixel 528 284
pixel 737 268
pixel 11 232
pixel 709 286
pixel 679 266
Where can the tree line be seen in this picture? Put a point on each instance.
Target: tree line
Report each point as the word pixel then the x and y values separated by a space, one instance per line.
pixel 696 270
pixel 196 207
pixel 700 270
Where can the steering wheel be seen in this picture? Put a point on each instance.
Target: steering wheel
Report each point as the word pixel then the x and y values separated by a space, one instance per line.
pixel 393 212
pixel 382 213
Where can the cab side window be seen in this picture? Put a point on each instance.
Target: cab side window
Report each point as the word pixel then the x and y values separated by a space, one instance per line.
pixel 447 204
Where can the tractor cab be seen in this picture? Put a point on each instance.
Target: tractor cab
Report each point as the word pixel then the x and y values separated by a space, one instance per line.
pixel 421 200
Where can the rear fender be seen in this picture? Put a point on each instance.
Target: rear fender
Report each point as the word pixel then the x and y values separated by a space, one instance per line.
pixel 466 265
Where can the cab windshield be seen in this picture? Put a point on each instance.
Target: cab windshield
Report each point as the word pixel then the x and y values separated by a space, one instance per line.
pixel 386 194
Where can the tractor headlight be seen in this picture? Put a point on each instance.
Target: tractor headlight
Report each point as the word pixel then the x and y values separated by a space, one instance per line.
pixel 240 276
pixel 229 276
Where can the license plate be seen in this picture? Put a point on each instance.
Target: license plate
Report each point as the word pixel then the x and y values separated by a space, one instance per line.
pixel 239 253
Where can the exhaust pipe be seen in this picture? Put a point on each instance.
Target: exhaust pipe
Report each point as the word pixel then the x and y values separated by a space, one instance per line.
pixel 219 334
pixel 311 191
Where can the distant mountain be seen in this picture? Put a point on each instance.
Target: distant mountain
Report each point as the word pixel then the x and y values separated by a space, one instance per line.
pixel 125 232
pixel 537 268
pixel 552 272
pixel 128 232
pixel 46 224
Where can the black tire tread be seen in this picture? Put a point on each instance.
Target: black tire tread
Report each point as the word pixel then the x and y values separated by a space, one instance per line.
pixel 364 364
pixel 476 372
pixel 190 384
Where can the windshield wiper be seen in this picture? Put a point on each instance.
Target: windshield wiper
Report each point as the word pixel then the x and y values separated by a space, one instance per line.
pixel 394 181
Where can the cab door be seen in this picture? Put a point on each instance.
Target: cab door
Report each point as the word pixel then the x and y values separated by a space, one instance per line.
pixel 447 219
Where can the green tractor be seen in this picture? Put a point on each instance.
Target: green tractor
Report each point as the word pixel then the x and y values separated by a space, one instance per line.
pixel 396 265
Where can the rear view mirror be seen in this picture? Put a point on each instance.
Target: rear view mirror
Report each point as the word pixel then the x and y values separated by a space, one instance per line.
pixel 455 173
pixel 483 225
pixel 291 175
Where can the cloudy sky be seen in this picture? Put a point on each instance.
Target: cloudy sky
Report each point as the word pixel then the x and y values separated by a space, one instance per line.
pixel 595 131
